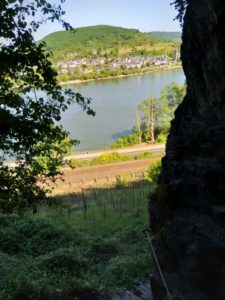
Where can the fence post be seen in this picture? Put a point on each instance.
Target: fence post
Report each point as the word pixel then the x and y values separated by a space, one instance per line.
pixel 84 203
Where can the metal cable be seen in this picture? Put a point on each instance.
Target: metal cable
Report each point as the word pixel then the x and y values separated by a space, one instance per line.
pixel 147 231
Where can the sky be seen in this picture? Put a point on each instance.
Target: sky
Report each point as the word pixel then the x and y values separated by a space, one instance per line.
pixel 145 15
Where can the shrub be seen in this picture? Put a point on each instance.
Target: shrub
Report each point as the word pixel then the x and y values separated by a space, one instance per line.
pixel 63 260
pixel 125 141
pixel 23 236
pixel 124 268
pixel 101 250
pixel 161 138
pixel 153 171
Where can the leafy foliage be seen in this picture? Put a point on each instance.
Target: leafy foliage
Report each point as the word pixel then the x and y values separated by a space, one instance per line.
pixel 170 97
pixel 30 104
pixel 125 141
pixel 154 171
pixel 180 6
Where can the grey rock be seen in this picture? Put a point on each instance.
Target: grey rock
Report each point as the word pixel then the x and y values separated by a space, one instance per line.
pixel 187 210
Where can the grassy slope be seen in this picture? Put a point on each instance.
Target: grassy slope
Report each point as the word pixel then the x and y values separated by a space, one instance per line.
pixel 104 39
pixel 63 251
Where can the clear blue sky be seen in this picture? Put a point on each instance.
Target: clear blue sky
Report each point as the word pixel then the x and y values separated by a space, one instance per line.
pixel 145 15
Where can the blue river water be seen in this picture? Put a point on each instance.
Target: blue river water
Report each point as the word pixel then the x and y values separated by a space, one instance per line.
pixel 115 102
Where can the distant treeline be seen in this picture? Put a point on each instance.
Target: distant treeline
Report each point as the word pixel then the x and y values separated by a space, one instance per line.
pixel 167 36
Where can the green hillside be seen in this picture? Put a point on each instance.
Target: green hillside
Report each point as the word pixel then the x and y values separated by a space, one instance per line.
pixel 92 36
pixel 167 36
pixel 104 40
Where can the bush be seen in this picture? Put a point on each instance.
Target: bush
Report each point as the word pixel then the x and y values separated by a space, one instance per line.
pixel 101 250
pixel 23 236
pixel 124 268
pixel 63 260
pixel 161 138
pixel 125 141
pixel 154 171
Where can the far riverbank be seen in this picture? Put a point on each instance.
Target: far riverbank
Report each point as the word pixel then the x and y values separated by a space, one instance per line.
pixel 157 69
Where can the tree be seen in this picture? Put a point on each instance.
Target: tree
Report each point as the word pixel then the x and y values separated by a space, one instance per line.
pixel 157 113
pixel 170 97
pixel 31 102
pixel 149 108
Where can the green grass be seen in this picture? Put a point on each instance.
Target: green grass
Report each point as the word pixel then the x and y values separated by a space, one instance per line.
pixel 84 243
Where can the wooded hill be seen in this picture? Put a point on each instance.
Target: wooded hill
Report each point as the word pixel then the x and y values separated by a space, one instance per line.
pixel 105 40
pixel 165 35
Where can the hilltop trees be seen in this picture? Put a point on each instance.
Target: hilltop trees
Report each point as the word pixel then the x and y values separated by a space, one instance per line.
pixel 31 103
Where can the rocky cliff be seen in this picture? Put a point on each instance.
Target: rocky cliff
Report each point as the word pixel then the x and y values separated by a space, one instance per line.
pixel 187 212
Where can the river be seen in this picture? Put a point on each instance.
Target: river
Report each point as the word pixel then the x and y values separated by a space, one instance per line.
pixel 115 102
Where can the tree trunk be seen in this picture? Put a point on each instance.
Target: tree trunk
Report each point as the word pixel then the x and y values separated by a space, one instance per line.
pixel 151 121
pixel 139 128
pixel 187 211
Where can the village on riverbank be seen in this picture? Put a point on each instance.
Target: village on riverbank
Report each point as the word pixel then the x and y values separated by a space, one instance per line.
pixel 87 65
pixel 102 67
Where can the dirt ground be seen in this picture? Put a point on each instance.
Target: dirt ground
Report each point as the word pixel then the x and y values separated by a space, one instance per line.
pixel 96 175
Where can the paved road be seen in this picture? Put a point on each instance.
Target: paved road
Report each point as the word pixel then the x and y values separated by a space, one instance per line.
pixel 155 149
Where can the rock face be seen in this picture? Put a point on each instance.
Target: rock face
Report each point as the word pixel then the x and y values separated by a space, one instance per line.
pixel 187 212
